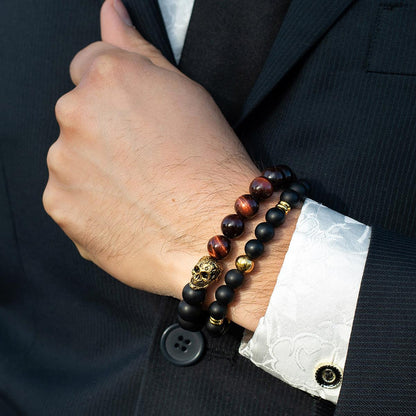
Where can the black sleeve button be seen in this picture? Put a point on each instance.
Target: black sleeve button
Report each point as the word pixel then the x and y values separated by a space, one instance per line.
pixel 182 347
pixel 328 376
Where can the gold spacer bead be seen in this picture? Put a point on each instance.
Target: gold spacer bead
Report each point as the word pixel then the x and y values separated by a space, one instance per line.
pixel 216 322
pixel 244 264
pixel 284 206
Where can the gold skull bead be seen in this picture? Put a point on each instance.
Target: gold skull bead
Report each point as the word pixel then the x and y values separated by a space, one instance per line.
pixel 206 271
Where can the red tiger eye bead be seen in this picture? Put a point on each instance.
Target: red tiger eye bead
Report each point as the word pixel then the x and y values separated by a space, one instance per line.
pixel 289 175
pixel 232 226
pixel 276 176
pixel 219 246
pixel 280 176
pixel 261 188
pixel 246 206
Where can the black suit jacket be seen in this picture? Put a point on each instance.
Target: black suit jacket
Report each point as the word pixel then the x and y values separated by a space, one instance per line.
pixel 335 100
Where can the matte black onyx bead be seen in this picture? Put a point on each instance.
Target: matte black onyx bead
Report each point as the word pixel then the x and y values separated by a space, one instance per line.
pixel 193 297
pixel 190 326
pixel 264 232
pixel 216 330
pixel 232 226
pixel 189 312
pixel 261 188
pixel 275 216
pixel 291 197
pixel 234 278
pixel 224 294
pixel 288 173
pixel 300 188
pixel 219 246
pixel 306 184
pixel 254 248
pixel 275 176
pixel 217 310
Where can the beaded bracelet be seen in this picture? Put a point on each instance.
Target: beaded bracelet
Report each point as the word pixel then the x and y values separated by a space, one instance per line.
pixel 208 269
pixel 264 232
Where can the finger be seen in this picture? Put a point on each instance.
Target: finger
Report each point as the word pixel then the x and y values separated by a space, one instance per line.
pixel 83 60
pixel 118 30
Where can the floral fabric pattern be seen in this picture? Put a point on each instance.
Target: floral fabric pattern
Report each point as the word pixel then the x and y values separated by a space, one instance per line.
pixel 309 319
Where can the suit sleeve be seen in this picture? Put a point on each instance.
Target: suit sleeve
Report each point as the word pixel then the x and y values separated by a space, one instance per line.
pixel 381 362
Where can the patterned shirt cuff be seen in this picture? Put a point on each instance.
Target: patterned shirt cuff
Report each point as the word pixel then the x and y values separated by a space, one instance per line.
pixel 308 322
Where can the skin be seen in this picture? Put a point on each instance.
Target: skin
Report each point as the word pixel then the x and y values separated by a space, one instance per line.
pixel 145 168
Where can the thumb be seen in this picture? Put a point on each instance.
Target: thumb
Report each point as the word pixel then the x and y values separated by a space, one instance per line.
pixel 118 30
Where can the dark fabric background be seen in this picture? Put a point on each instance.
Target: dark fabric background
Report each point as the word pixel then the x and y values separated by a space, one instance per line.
pixel 335 100
pixel 226 45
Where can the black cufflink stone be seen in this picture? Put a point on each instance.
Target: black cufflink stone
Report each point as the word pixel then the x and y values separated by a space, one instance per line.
pixel 328 376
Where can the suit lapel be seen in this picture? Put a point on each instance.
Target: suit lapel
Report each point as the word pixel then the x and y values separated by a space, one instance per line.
pixel 305 23
pixel 149 22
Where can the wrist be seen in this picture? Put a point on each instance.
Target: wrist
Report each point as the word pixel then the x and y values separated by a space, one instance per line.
pixel 250 303
pixel 252 298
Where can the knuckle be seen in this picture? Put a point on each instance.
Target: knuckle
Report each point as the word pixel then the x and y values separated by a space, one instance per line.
pixel 104 66
pixel 50 201
pixel 47 199
pixel 54 158
pixel 66 110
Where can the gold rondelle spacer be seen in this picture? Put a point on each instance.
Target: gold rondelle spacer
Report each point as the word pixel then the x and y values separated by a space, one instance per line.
pixel 244 264
pixel 216 322
pixel 284 206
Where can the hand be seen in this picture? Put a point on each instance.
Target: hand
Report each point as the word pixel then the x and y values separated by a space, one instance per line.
pixel 145 166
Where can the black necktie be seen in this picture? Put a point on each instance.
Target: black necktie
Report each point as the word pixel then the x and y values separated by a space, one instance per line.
pixel 226 45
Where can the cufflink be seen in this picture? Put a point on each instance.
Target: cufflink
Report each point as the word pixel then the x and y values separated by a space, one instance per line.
pixel 328 376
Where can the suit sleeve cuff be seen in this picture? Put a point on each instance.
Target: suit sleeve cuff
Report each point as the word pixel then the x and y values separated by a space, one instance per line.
pixel 308 322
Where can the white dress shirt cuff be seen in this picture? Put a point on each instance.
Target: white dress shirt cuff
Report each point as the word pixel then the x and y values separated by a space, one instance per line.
pixel 308 323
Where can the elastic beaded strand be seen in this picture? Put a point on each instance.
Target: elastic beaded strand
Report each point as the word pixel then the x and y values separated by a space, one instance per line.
pixel 254 248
